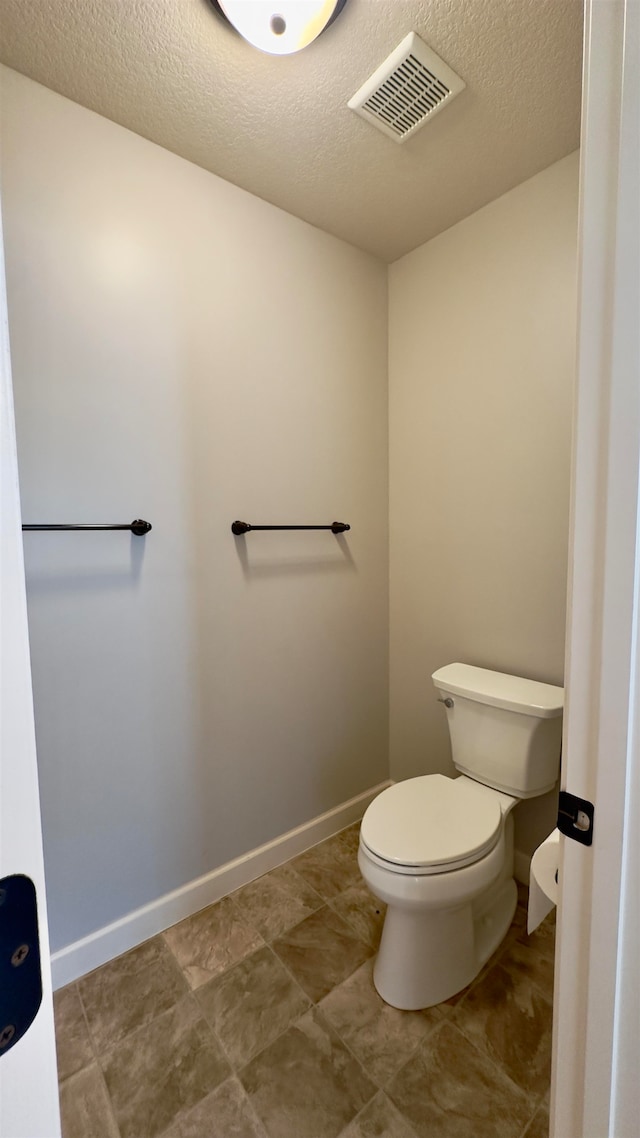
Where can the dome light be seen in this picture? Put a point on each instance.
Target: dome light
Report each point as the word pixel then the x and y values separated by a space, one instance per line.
pixel 279 27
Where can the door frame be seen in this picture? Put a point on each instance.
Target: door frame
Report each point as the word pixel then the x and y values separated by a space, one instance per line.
pixel 596 1017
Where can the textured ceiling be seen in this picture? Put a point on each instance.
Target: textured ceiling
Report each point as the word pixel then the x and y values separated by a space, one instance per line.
pixel 280 127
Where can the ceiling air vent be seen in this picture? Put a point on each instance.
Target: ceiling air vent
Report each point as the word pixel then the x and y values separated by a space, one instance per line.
pixel 407 90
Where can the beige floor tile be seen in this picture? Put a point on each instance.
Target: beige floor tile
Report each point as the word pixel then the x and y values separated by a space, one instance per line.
pixel 163 1069
pixel 305 1073
pixel 85 1108
pixel 380 1036
pixel 227 1113
pixel 251 1004
pixel 450 1089
pixel 306 1084
pixel 379 1119
pixel 130 991
pixel 509 1019
pixel 277 901
pixel 321 952
pixel 362 911
pixel 350 838
pixel 73 1044
pixel 447 1006
pixel 212 941
pixel 533 956
pixel 330 867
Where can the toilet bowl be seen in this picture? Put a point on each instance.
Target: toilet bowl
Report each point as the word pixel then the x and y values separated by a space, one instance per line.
pixel 439 851
pixel 447 883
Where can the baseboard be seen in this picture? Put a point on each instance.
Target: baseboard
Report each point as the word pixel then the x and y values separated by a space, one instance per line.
pixel 104 944
pixel 521 866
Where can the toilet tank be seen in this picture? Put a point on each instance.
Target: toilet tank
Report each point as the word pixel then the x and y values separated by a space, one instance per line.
pixel 506 732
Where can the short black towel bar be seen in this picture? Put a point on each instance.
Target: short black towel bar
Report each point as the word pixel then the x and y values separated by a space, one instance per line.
pixel 138 526
pixel 238 528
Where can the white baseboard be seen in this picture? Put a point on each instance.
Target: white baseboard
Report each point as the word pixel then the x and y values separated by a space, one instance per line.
pixel 521 866
pixel 104 944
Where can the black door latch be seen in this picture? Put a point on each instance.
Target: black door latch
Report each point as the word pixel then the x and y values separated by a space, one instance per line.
pixel 575 817
pixel 20 975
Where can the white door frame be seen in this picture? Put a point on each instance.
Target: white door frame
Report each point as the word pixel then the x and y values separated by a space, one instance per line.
pixel 596 1012
pixel 28 1075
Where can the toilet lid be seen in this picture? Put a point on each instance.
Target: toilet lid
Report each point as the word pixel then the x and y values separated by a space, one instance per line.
pixel 432 820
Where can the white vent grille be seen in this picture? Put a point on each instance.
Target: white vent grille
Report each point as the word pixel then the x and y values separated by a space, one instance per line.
pixel 409 94
pixel 411 86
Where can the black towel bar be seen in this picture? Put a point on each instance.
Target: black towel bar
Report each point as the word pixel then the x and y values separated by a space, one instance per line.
pixel 238 528
pixel 138 526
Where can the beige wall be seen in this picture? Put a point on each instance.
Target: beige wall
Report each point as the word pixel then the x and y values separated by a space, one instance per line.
pixel 185 352
pixel 482 330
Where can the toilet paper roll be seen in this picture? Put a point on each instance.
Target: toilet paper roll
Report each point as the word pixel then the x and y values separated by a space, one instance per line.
pixel 543 882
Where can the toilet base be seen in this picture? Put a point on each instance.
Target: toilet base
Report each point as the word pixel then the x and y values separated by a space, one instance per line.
pixel 426 957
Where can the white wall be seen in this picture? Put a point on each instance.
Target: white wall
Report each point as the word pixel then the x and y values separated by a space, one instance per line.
pixel 482 341
pixel 187 353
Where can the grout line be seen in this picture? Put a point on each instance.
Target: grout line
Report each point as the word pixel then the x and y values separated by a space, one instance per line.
pixel 313 1005
pixel 435 1027
pixel 316 1003
pixel 187 996
pixel 497 1066
pixel 247 917
pixel 203 1015
pixel 97 1061
pixel 87 1024
pixel 350 925
pixel 89 1037
pixel 261 1132
pixel 530 1122
pixel 142 1027
pixel 235 1068
pixel 290 866
pixel 427 1035
pixel 344 1133
pixel 374 1082
pixel 346 918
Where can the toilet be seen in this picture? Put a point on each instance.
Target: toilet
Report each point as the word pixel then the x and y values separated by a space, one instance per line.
pixel 439 851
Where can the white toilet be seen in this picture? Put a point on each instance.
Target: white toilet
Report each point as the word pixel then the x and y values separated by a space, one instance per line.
pixel 439 851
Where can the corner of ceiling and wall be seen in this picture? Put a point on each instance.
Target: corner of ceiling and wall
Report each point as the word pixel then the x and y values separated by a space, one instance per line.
pixel 280 127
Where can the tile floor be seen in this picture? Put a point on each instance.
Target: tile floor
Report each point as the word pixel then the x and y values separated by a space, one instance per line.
pixel 257 1018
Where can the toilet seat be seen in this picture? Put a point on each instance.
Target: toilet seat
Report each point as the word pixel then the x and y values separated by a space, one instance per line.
pixel 431 824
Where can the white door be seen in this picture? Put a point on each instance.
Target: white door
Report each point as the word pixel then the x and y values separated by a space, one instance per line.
pixel 28 1076
pixel 595 1085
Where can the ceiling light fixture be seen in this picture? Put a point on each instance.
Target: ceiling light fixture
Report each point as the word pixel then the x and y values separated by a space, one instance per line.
pixel 279 27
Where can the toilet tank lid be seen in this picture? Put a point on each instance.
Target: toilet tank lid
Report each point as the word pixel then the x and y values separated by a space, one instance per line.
pixel 528 697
